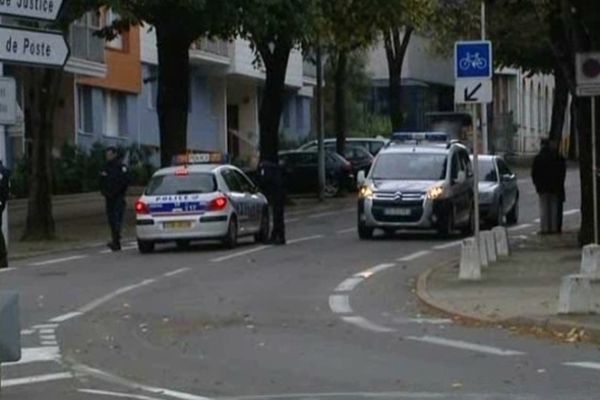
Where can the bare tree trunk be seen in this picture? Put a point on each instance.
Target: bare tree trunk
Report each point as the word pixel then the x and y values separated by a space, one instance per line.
pixel 559 105
pixel 395 49
pixel 42 93
pixel 173 46
pixel 341 85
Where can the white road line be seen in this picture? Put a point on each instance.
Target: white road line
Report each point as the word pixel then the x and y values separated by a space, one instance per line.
pixel 36 354
pixel 340 304
pixel 107 251
pixel 459 344
pixel 45 326
pixel 239 254
pixel 58 260
pixel 104 299
pixel 366 324
pixel 447 245
pixel 35 379
pixel 6 270
pixel 414 256
pixel 176 272
pixel 48 337
pixel 344 231
pixel 571 212
pixel 583 364
pixel 26 332
pixel 519 227
pixel 423 321
pixel 116 394
pixel 49 343
pixel 66 317
pixel 305 239
pixel 127 248
pixel 349 284
pixel 47 331
pixel 375 270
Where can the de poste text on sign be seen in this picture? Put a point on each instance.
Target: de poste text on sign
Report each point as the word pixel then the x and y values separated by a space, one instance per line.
pixel 40 48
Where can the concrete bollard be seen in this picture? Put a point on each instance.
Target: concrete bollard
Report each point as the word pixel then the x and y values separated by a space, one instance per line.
pixel 590 261
pixel 490 243
pixel 483 253
pixel 501 237
pixel 575 296
pixel 470 268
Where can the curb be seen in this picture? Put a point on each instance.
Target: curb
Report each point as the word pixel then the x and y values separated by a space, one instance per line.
pixel 552 325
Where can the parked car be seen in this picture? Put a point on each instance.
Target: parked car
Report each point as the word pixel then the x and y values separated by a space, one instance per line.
pixel 357 155
pixel 373 145
pixel 498 191
pixel 301 172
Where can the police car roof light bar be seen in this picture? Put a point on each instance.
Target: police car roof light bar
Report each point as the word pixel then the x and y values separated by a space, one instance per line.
pixel 208 157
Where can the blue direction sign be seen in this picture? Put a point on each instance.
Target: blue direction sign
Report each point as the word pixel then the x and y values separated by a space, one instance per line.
pixel 473 59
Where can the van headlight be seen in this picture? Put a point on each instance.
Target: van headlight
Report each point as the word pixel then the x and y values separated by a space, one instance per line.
pixel 365 192
pixel 435 192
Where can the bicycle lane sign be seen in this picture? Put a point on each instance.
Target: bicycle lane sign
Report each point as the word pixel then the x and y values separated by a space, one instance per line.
pixel 473 59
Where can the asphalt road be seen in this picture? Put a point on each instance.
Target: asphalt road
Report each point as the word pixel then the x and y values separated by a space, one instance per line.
pixel 326 317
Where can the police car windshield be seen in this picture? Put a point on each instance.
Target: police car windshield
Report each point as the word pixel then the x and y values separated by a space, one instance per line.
pixel 191 183
pixel 410 166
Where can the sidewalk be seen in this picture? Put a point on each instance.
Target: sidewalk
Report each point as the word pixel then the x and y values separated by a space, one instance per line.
pixel 81 222
pixel 519 293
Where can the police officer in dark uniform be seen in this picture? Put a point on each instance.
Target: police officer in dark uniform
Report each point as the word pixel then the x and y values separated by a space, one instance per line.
pixel 271 180
pixel 114 180
pixel 4 194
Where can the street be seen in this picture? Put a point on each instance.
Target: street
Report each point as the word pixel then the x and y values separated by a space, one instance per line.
pixel 326 317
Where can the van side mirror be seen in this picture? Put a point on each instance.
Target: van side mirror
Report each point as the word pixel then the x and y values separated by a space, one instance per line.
pixel 361 177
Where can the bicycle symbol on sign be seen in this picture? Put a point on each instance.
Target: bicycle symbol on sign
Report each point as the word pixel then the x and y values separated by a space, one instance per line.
pixel 472 61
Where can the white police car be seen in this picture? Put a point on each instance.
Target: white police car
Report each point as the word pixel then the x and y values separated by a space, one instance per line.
pixel 200 199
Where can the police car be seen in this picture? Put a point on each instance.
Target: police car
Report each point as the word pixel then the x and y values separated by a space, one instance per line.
pixel 199 198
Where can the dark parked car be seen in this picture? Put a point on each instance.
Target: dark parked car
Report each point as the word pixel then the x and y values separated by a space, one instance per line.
pixel 373 145
pixel 357 155
pixel 301 172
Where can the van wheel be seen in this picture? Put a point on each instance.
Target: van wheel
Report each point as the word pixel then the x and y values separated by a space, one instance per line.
pixel 230 239
pixel 145 246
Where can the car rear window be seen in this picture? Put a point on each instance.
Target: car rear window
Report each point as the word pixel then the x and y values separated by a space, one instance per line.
pixel 487 171
pixel 191 183
pixel 410 166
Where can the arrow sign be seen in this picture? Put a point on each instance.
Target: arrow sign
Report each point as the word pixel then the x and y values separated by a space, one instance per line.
pixel 40 48
pixel 46 10
pixel 471 91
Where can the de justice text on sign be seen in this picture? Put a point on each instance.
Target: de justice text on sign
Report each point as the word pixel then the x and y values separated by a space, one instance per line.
pixel 39 9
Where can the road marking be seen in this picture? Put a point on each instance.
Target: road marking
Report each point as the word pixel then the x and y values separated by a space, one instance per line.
pixel 376 269
pixel 116 394
pixel 45 326
pixel 49 343
pixel 47 331
pixel 66 317
pixel 106 298
pixel 36 354
pixel 583 364
pixel 447 245
pixel 6 270
pixel 176 272
pixel 48 337
pixel 305 239
pixel 519 227
pixel 239 254
pixel 366 324
pixel 58 260
pixel 571 212
pixel 423 321
pixel 340 304
pixel 108 251
pixel 291 220
pixel 349 284
pixel 344 231
pixel 27 332
pixel 459 344
pixel 414 256
pixel 35 379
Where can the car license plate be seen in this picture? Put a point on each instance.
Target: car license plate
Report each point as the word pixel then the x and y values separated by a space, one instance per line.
pixel 178 225
pixel 401 212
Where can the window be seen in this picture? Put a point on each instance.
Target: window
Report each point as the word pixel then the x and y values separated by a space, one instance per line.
pixel 419 167
pixel 116 114
pixel 230 180
pixel 299 113
pixel 503 169
pixel 85 109
pixel 193 183
pixel 465 162
pixel 245 184
pixel 487 171
pixel 455 167
pixel 117 42
pixel 152 87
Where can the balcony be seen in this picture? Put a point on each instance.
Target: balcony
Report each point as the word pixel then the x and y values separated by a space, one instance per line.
pixel 211 51
pixel 87 51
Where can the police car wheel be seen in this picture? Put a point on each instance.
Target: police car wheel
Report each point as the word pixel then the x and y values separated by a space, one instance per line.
pixel 262 236
pixel 230 240
pixel 145 246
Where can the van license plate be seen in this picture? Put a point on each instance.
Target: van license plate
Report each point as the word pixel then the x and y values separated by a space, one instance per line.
pixel 397 212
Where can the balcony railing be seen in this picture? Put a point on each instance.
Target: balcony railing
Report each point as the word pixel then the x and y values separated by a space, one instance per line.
pixel 217 47
pixel 85 45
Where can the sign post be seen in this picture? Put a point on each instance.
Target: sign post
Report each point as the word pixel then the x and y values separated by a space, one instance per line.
pixel 587 72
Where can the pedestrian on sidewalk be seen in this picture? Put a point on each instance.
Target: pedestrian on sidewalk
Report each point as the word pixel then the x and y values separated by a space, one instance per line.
pixel 4 195
pixel 271 182
pixel 114 181
pixel 548 174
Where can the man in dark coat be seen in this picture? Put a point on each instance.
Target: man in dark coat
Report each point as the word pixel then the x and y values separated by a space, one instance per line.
pixel 114 181
pixel 548 173
pixel 4 195
pixel 271 181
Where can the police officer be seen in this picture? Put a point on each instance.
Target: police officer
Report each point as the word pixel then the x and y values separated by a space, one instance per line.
pixel 271 180
pixel 114 180
pixel 4 194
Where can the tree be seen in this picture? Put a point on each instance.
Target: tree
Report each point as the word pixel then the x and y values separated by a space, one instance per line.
pixel 178 23
pixel 41 95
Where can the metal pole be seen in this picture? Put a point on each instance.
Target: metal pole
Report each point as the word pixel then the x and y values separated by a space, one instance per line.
pixel 484 115
pixel 594 170
pixel 320 133
pixel 475 178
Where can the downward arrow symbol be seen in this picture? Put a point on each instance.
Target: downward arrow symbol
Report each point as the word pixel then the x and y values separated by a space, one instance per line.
pixel 470 96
